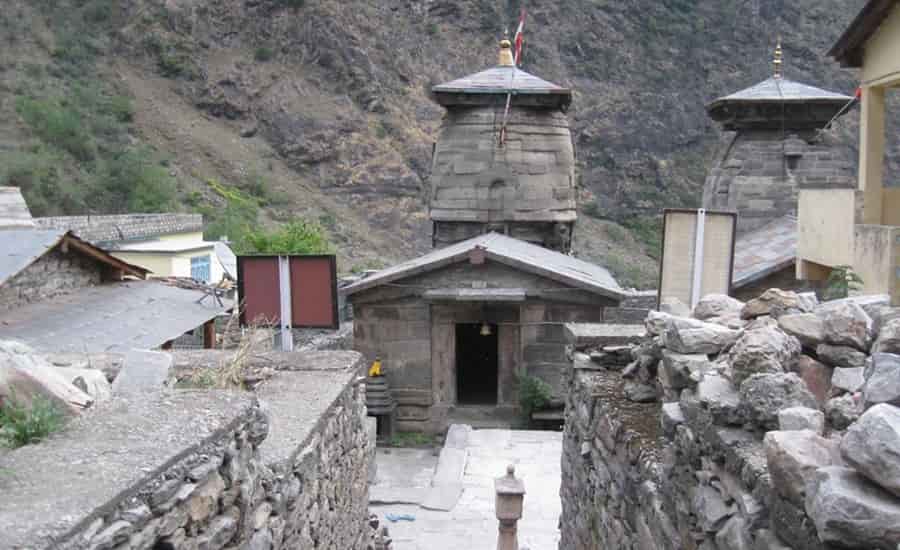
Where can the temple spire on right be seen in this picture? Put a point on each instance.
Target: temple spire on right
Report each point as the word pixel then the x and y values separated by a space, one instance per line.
pixel 779 59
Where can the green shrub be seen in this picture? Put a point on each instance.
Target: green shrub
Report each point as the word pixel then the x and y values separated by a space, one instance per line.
pixel 21 425
pixel 296 4
pixel 648 230
pixel 134 182
pixel 841 281
pixel 263 54
pixel 534 394
pixel 59 125
pixel 296 237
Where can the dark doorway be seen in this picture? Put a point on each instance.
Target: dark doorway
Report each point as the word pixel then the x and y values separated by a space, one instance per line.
pixel 476 364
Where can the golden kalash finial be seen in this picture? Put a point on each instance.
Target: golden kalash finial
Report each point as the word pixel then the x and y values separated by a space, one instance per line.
pixel 506 56
pixel 779 59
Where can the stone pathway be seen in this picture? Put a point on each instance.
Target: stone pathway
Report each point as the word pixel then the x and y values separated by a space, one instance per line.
pixel 405 475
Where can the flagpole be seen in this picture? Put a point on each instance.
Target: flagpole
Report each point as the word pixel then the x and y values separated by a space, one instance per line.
pixel 517 52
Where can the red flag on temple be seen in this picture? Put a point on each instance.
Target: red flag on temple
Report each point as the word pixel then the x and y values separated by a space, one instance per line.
pixel 519 39
pixel 858 93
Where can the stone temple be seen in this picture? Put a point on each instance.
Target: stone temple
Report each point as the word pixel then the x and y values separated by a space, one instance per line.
pixel 507 171
pixel 458 327
pixel 771 146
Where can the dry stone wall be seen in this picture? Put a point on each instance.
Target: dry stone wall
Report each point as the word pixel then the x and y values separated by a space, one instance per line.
pixel 259 475
pixel 52 275
pixel 773 424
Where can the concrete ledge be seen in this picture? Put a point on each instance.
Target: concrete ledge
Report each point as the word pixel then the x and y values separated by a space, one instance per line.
pixel 595 335
pixel 104 457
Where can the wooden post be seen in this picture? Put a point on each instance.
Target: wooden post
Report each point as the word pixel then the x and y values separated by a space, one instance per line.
pixel 209 334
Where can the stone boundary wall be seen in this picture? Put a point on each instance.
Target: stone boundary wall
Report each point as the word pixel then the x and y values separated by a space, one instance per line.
pixel 234 488
pixel 52 275
pixel 770 425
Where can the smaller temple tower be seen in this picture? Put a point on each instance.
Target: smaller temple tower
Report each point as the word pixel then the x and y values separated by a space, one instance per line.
pixel 772 145
pixel 504 161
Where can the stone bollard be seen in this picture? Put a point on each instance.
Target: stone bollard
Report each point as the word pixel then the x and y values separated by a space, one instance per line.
pixel 510 495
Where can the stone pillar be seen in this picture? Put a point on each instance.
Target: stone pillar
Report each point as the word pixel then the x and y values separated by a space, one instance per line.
pixel 871 153
pixel 508 505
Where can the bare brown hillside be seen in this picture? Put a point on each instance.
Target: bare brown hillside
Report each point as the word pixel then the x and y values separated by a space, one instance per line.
pixel 320 108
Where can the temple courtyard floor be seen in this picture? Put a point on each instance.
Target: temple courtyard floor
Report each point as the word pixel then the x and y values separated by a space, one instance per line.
pixel 449 497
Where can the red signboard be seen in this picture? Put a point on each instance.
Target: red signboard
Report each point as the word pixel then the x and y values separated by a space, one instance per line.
pixel 312 286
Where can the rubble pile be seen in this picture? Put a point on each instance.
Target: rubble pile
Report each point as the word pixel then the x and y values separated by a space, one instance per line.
pixel 778 425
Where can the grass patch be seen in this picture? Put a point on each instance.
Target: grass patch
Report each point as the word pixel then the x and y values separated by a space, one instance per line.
pixel 647 230
pixel 263 54
pixel 59 125
pixel 412 439
pixel 630 274
pixel 21 425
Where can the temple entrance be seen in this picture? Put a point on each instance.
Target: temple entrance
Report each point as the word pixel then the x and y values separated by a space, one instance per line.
pixel 476 364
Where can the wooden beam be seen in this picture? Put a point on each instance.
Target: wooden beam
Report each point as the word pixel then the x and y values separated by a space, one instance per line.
pixel 209 334
pixel 102 256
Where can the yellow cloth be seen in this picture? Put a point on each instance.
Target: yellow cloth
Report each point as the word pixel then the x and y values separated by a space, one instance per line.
pixel 375 369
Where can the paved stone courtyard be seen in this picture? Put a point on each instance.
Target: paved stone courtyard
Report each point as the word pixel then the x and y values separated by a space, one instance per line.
pixel 405 475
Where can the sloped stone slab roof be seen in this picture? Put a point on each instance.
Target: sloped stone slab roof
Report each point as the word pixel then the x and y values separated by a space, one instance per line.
pixel 760 253
pixel 508 251
pixel 13 209
pixel 779 90
pixel 500 80
pixel 110 317
pixel 112 230
pixel 19 248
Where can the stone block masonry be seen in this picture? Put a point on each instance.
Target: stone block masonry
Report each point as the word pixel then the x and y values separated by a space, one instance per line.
pixel 52 275
pixel 203 469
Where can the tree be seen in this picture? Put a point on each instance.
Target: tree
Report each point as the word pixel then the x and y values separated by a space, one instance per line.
pixel 296 237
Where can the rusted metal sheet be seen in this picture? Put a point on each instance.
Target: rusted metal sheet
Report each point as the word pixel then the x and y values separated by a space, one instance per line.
pixel 313 291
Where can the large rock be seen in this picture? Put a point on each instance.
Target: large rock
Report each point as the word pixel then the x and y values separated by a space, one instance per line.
pixel 816 375
pixel 763 395
pixel 774 302
pixel 801 418
pixel 25 376
pixel 888 340
pixel 793 457
pixel 851 512
pixel 657 322
pixel 841 356
pixel 806 327
pixel 692 336
pixel 766 349
pixel 91 381
pixel 674 306
pixel 848 325
pixel 717 305
pixel 681 370
pixel 872 446
pixel 716 394
pixel 640 393
pixel 847 380
pixel 844 410
pixel 883 383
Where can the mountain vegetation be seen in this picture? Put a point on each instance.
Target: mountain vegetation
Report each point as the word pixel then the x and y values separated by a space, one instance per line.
pixel 262 112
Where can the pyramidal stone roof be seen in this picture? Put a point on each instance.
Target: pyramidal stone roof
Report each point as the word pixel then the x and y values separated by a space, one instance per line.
pixel 781 89
pixel 501 80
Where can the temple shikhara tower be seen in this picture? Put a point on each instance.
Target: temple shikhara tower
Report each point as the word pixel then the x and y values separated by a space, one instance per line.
pixel 504 161
pixel 772 146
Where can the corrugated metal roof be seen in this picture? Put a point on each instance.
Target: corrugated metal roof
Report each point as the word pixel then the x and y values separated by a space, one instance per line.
pixel 13 209
pixel 760 253
pixel 505 250
pixel 781 89
pixel 112 230
pixel 19 248
pixel 501 80
pixel 110 317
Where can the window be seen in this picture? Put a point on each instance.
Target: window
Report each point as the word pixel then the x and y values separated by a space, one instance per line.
pixel 200 268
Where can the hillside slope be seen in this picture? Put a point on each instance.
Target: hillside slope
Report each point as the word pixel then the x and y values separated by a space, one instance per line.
pixel 320 108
